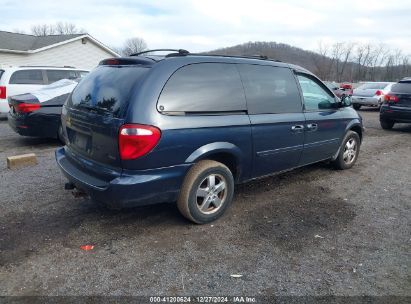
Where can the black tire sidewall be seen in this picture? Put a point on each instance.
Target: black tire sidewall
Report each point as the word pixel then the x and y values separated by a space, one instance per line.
pixel 386 124
pixel 196 214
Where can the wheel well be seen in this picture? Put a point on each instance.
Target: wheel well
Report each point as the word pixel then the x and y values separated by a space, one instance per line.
pixel 227 159
pixel 358 130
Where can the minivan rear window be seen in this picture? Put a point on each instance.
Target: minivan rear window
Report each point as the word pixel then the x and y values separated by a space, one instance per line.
pixel 203 88
pixel 106 89
pixel 1 73
pixel 401 88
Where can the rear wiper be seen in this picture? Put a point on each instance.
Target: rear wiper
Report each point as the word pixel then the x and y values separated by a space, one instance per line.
pixel 94 109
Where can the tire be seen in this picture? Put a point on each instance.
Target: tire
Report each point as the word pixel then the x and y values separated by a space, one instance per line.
pixel 196 201
pixel 386 124
pixel 356 106
pixel 60 135
pixel 348 154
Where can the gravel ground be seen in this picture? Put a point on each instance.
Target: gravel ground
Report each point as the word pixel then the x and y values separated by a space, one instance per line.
pixel 313 231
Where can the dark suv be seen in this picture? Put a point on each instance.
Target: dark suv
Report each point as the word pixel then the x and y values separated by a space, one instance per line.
pixel 188 127
pixel 397 105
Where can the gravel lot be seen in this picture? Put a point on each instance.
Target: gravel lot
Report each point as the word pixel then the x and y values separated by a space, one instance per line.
pixel 313 231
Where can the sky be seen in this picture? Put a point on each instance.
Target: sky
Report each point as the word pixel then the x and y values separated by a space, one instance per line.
pixel 202 25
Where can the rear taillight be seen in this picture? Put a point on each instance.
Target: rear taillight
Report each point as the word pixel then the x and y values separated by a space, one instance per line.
pixel 137 140
pixel 3 92
pixel 26 107
pixel 391 98
pixel 379 93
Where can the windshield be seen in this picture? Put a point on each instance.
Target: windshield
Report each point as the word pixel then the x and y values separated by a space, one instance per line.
pixel 373 86
pixel 107 88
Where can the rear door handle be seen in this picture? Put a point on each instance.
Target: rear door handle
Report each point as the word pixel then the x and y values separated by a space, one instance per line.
pixel 312 127
pixel 297 128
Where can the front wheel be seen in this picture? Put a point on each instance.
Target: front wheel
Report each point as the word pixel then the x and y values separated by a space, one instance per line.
pixel 349 150
pixel 356 106
pixel 207 190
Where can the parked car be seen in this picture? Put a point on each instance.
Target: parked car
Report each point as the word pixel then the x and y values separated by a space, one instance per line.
pixel 38 113
pixel 397 105
pixel 370 94
pixel 340 90
pixel 188 127
pixel 23 79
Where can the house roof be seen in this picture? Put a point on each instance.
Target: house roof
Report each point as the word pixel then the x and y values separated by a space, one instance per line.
pixel 23 43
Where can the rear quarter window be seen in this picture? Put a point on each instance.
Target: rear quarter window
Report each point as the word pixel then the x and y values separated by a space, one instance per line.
pixel 270 89
pixel 27 77
pixel 203 88
pixel 1 73
pixel 107 88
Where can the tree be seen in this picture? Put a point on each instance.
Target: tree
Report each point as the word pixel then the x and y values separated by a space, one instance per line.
pixel 60 28
pixel 133 45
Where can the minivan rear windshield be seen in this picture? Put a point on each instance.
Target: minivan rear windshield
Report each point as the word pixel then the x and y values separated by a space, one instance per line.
pixel 106 89
pixel 402 88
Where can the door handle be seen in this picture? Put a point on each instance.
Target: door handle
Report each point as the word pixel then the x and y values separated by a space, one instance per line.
pixel 312 127
pixel 297 128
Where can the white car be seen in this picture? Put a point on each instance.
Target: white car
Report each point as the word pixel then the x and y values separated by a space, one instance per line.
pixel 370 94
pixel 23 79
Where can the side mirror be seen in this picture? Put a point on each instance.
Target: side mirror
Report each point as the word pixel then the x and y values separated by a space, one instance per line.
pixel 346 101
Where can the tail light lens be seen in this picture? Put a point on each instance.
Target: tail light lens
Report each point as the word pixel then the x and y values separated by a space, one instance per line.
pixel 27 107
pixel 391 98
pixel 3 92
pixel 137 140
pixel 379 93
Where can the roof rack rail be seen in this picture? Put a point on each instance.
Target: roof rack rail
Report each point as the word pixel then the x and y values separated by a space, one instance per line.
pixel 180 52
pixel 263 57
pixel 46 66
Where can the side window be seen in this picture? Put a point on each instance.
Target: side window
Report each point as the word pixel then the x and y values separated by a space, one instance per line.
pixel 203 87
pixel 315 96
pixel 27 77
pixel 56 75
pixel 270 89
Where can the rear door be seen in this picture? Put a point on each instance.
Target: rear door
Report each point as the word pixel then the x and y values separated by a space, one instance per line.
pixel 275 111
pixel 95 111
pixel 324 123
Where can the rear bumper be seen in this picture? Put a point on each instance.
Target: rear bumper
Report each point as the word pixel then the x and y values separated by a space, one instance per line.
pixel 126 188
pixel 35 124
pixel 366 101
pixel 395 114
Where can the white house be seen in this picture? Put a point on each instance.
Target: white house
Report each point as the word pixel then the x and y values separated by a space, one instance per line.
pixel 77 50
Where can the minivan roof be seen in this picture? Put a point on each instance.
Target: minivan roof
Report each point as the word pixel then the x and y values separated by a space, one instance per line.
pixel 150 60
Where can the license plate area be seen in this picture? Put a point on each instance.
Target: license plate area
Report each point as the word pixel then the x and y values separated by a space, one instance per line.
pixel 79 140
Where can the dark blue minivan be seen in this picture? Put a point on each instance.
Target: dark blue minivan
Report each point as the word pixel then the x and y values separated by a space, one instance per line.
pixel 188 127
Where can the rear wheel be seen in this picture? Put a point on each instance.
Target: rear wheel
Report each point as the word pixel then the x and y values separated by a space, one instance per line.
pixel 207 190
pixel 386 124
pixel 60 135
pixel 349 150
pixel 356 106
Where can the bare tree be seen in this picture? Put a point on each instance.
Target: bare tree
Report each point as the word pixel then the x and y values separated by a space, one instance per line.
pixel 42 30
pixel 134 45
pixel 59 28
pixel 67 28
